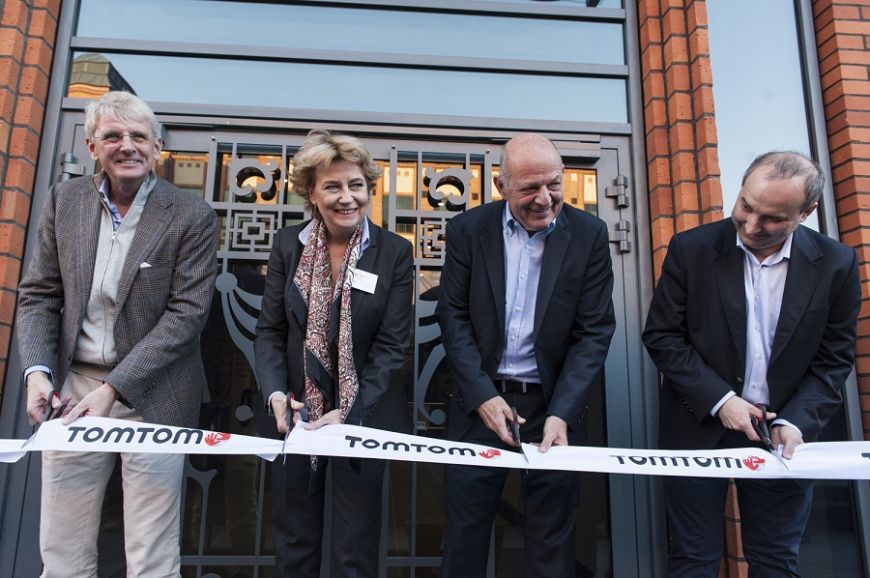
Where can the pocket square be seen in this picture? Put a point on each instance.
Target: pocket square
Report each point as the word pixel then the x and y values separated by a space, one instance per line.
pixel 145 265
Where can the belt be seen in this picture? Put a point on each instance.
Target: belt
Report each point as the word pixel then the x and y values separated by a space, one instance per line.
pixel 513 386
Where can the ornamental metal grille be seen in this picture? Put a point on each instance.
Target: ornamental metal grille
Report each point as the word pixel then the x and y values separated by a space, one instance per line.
pixel 226 517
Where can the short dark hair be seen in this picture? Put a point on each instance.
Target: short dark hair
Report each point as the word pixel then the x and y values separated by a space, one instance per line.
pixel 788 165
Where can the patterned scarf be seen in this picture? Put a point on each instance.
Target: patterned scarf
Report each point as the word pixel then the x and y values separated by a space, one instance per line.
pixel 322 367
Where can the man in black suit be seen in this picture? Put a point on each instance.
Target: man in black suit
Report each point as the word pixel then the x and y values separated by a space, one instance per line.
pixel 750 313
pixel 526 319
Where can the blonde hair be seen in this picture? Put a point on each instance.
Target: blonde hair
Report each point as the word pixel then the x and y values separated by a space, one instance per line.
pixel 321 148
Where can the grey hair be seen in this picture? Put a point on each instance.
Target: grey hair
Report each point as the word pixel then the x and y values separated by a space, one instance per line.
pixel 121 105
pixel 788 165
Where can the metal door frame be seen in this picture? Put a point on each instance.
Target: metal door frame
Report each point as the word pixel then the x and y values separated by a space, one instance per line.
pixel 631 509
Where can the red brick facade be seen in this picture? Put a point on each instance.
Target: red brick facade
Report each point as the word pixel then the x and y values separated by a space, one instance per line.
pixel 27 35
pixel 843 38
pixel 679 124
pixel 680 128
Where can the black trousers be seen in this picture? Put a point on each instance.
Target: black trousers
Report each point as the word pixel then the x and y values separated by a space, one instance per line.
pixel 298 495
pixel 550 499
pixel 773 515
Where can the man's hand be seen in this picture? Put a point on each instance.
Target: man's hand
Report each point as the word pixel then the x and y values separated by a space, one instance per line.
pixel 97 403
pixel 737 413
pixel 40 392
pixel 555 433
pixel 786 436
pixel 497 416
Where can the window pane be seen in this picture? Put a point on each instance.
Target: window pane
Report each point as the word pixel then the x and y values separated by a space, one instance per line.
pixel 587 3
pixel 350 88
pixel 355 29
pixel 759 101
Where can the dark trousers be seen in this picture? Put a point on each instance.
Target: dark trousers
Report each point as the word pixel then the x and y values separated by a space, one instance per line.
pixel 773 516
pixel 298 495
pixel 550 498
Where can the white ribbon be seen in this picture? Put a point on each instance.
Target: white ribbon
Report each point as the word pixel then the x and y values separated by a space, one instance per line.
pixel 828 460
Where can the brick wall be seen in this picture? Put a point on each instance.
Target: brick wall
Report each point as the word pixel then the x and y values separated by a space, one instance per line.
pixel 683 170
pixel 843 38
pixel 681 150
pixel 680 128
pixel 27 35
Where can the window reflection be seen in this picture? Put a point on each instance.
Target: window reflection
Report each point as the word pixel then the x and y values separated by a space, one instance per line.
pixel 760 102
pixel 186 170
pixel 209 81
pixel 337 28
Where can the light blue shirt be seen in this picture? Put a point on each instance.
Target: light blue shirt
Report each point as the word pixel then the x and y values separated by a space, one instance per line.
pixel 522 257
pixel 112 208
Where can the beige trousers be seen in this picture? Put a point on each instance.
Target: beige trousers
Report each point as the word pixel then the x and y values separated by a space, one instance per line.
pixel 73 485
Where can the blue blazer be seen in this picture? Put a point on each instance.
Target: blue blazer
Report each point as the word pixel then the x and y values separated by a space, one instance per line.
pixel 574 319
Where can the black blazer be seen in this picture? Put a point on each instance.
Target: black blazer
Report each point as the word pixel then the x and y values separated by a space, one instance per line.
pixel 381 324
pixel 696 332
pixel 574 318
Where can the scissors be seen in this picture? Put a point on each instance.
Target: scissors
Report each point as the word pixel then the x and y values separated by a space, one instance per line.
pixel 288 421
pixel 54 412
pixel 515 433
pixel 763 431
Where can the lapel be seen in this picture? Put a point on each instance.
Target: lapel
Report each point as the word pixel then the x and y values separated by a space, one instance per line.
pixel 804 269
pixel 728 268
pixel 87 220
pixel 556 245
pixel 492 248
pixel 155 218
pixel 293 296
pixel 368 262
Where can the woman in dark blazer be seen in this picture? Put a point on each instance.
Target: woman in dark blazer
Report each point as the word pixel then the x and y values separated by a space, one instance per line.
pixel 331 337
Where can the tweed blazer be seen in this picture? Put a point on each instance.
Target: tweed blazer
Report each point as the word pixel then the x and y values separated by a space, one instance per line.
pixel 164 295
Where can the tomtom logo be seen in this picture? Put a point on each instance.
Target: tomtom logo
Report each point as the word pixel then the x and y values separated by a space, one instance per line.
pixel 754 463
pixel 142 434
pixel 216 438
pixel 685 462
pixel 490 453
pixel 407 447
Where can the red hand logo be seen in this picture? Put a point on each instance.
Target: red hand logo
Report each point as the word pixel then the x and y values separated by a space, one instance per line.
pixel 216 438
pixel 754 463
pixel 490 453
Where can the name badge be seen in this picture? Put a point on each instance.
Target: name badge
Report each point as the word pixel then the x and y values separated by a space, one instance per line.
pixel 364 281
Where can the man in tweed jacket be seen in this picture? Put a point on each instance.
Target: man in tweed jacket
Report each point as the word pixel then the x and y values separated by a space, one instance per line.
pixel 110 312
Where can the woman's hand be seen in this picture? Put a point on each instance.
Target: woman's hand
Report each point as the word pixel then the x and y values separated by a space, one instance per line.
pixel 279 408
pixel 333 417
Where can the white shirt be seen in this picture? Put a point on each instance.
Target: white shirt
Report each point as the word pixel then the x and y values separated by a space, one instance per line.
pixel 763 286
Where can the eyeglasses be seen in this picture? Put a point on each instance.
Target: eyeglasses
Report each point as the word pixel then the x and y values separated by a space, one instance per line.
pixel 117 137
